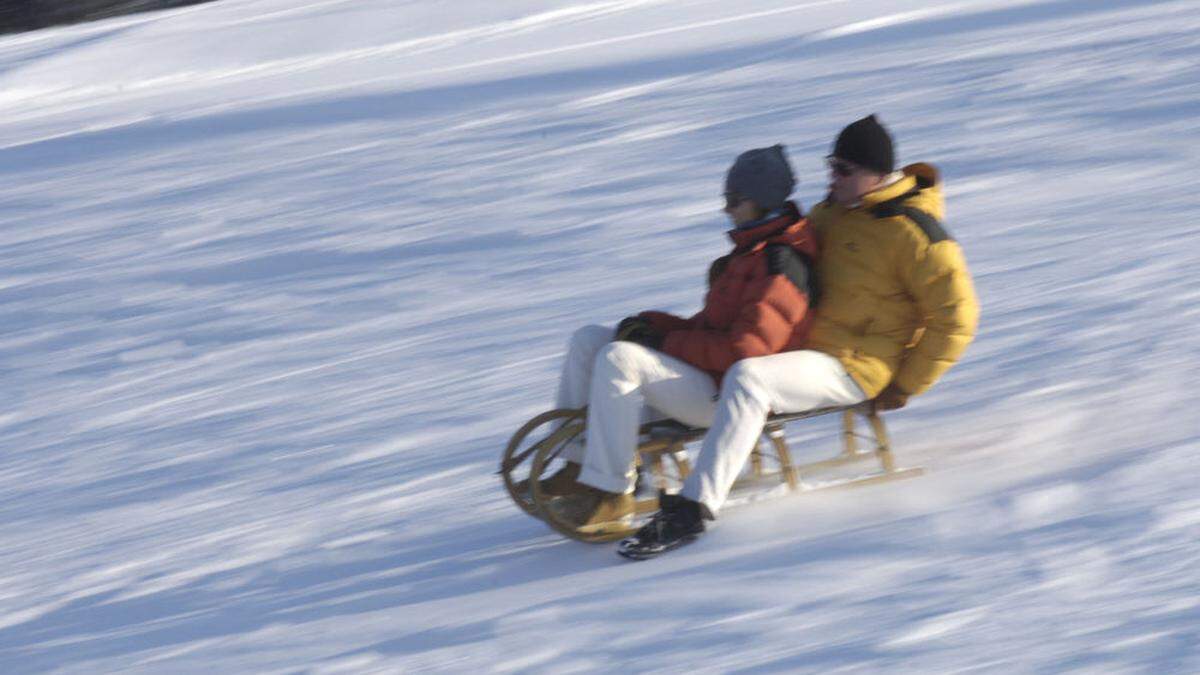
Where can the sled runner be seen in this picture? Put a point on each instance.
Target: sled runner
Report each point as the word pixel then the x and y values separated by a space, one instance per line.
pixel 662 460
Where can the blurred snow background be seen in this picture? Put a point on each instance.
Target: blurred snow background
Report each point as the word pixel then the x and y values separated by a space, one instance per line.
pixel 281 278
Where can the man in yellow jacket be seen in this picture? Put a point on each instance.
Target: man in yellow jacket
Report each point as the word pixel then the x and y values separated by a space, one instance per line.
pixel 895 309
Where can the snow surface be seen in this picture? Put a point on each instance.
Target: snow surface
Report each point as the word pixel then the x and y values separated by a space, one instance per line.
pixel 281 277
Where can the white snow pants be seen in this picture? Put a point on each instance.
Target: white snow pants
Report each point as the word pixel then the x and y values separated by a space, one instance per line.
pixel 625 384
pixel 785 382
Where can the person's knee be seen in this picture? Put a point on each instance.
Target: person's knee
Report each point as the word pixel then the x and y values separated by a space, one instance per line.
pixel 744 375
pixel 622 358
pixel 746 379
pixel 591 335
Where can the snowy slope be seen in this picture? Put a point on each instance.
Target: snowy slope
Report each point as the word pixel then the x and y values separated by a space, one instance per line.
pixel 281 278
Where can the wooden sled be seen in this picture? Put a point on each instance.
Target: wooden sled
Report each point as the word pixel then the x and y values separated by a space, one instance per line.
pixel 661 458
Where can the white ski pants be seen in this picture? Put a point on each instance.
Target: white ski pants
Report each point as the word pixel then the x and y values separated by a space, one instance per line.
pixel 624 385
pixel 785 382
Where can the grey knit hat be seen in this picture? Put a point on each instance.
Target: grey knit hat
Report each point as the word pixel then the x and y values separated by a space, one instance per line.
pixel 762 174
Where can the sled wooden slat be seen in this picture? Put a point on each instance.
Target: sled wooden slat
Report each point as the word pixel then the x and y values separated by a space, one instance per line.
pixel 649 505
pixel 835 462
pixel 874 479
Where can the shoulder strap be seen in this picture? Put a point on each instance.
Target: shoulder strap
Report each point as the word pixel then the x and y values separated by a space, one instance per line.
pixel 797 266
pixel 895 206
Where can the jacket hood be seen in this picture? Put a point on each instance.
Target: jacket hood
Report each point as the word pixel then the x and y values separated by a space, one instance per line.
pixel 923 181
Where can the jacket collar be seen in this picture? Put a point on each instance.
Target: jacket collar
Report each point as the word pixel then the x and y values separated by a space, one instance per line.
pixel 747 238
pixel 912 177
pixel 902 184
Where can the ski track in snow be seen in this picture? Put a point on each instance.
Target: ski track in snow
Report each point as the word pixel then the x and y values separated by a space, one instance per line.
pixel 270 316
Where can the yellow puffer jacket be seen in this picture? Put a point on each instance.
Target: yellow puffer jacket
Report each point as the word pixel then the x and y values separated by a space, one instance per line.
pixel 896 298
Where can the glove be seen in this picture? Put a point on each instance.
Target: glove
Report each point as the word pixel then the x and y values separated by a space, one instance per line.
pixel 628 325
pixel 638 331
pixel 891 398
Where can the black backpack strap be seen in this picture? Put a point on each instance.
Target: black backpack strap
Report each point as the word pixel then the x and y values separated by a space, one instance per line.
pixel 931 226
pixel 796 266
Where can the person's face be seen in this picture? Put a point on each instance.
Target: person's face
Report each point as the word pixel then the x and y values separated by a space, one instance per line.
pixel 848 182
pixel 741 210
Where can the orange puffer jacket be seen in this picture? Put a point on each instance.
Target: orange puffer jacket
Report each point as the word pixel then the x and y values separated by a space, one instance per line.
pixel 757 302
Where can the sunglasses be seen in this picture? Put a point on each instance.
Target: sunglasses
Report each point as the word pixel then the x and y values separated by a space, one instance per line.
pixel 839 167
pixel 732 200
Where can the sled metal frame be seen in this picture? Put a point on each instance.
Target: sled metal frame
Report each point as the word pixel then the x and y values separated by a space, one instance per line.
pixel 666 439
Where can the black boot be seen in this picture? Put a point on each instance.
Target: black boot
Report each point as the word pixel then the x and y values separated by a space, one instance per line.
pixel 679 521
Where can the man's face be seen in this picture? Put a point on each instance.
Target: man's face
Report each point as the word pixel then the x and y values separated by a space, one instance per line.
pixel 848 182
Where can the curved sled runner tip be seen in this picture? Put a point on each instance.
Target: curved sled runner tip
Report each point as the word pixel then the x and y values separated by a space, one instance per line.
pixel 517 458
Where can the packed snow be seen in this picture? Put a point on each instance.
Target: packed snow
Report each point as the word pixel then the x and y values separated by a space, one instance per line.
pixel 281 278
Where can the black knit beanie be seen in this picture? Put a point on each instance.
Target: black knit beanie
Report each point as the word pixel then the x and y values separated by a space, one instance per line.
pixel 867 144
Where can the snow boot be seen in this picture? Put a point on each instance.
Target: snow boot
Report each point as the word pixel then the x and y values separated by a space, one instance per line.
pixel 591 509
pixel 679 521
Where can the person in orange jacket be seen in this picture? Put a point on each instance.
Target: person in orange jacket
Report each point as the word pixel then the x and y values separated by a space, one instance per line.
pixel 757 304
pixel 898 309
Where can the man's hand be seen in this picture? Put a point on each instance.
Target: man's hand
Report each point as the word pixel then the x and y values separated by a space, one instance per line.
pixel 891 398
pixel 638 331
